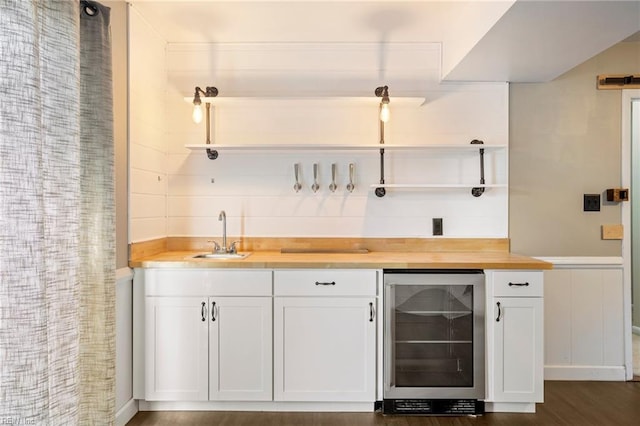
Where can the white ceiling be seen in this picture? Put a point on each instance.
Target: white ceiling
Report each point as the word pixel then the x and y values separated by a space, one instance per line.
pixel 319 21
pixel 538 41
pixel 501 40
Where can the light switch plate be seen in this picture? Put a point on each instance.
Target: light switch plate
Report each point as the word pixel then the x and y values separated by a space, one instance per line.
pixel 591 203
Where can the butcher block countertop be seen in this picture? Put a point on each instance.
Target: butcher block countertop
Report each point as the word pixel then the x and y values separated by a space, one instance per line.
pixel 419 256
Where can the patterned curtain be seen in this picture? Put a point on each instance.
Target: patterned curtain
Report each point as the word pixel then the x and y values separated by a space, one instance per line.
pixel 57 267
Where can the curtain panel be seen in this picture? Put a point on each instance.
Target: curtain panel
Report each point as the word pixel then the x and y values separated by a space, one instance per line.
pixel 57 266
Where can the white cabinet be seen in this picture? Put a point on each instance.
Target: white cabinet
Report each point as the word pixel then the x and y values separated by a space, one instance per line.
pixel 325 335
pixel 515 331
pixel 240 366
pixel 176 367
pixel 518 350
pixel 222 336
pixel 202 347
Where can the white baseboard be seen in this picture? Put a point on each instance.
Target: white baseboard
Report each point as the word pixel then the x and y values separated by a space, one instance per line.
pixel 586 373
pixel 510 407
pixel 126 413
pixel 366 407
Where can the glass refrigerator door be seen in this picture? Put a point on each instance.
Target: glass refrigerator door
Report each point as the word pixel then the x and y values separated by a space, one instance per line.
pixel 432 332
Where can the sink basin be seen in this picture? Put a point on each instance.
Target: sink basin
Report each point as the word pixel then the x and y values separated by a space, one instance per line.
pixel 220 256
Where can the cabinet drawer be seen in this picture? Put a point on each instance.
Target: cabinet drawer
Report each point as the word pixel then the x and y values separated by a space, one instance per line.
pixel 325 282
pixel 207 282
pixel 518 283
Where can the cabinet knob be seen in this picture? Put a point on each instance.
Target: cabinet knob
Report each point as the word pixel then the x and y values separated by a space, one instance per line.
pixel 213 311
pixel 526 284
pixel 499 312
pixel 371 312
pixel 203 311
pixel 325 283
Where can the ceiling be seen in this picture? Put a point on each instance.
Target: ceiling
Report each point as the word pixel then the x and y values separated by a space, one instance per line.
pixel 539 40
pixel 503 40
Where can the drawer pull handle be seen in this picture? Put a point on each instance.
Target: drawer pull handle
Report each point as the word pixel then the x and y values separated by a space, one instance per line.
pixel 518 284
pixel 371 312
pixel 203 311
pixel 213 311
pixel 499 312
pixel 325 283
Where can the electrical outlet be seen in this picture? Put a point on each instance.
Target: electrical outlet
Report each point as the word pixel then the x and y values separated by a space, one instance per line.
pixel 437 225
pixel 591 202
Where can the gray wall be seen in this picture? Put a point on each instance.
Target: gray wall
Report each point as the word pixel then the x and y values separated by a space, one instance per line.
pixel 565 142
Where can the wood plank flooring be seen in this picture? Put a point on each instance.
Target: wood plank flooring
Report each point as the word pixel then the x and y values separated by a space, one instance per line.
pixel 566 403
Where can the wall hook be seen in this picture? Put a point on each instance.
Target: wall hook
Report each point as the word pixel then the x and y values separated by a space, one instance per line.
pixel 296 171
pixel 332 185
pixel 350 185
pixel 315 185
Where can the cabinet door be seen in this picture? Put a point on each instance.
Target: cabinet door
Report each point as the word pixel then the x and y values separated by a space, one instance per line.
pixel 518 351
pixel 176 367
pixel 324 349
pixel 240 348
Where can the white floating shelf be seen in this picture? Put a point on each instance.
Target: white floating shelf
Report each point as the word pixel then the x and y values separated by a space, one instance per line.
pixel 342 147
pixel 373 100
pixel 436 185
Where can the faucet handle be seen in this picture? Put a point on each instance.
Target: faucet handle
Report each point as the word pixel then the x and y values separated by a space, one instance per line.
pixel 233 248
pixel 216 246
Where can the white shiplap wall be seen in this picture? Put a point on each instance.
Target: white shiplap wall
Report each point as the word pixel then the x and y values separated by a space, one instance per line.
pixel 256 192
pixel 147 131
pixel 255 188
pixel 177 192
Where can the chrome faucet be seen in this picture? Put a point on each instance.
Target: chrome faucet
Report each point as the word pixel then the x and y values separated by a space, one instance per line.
pixel 223 218
pixel 233 247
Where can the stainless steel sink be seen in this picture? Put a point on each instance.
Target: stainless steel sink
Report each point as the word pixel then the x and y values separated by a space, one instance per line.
pixel 220 256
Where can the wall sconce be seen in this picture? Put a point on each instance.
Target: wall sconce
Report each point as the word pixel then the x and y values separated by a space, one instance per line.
pixel 383 92
pixel 209 92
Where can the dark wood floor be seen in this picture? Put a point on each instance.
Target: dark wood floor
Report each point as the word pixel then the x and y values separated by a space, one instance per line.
pixel 566 403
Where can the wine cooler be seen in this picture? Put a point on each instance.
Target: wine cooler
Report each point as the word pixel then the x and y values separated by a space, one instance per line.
pixel 434 342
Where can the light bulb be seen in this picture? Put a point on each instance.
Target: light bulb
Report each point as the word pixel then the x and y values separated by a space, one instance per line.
pixel 197 114
pixel 384 112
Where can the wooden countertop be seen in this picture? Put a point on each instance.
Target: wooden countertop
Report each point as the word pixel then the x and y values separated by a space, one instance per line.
pixel 371 260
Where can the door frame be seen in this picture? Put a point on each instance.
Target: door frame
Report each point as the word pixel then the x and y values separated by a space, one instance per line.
pixel 628 96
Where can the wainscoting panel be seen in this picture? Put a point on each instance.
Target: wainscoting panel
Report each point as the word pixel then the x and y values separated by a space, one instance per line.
pixel 584 323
